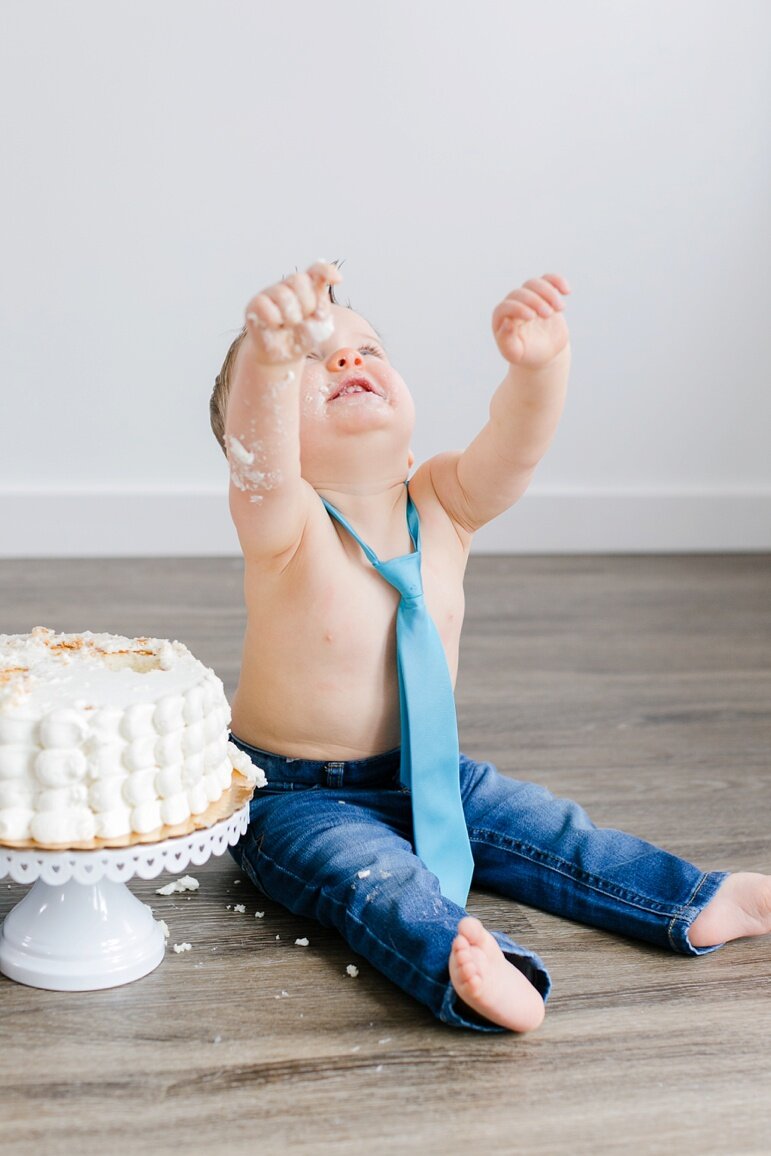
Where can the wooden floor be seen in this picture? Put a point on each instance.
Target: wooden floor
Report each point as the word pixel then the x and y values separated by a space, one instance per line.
pixel 641 686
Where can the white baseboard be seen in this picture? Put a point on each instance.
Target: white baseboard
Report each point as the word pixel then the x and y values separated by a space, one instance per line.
pixel 111 523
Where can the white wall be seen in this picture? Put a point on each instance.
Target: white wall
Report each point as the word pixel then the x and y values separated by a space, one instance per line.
pixel 164 161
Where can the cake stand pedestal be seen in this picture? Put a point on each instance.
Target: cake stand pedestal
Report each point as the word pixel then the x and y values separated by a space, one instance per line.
pixel 80 928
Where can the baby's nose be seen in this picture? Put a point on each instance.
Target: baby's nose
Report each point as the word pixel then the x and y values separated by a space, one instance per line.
pixel 344 358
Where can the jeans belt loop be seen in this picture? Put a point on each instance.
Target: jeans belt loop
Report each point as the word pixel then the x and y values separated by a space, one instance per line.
pixel 334 774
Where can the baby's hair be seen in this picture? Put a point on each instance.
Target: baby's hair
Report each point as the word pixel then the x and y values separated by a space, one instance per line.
pixel 218 402
pixel 337 263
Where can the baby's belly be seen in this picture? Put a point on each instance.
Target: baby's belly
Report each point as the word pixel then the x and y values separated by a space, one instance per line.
pixel 327 716
pixel 325 685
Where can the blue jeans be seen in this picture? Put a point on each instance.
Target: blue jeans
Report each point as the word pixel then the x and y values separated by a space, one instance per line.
pixel 333 841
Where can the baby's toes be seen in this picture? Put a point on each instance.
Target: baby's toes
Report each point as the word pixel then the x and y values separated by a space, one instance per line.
pixel 461 950
pixel 466 961
pixel 480 938
pixel 473 981
pixel 473 931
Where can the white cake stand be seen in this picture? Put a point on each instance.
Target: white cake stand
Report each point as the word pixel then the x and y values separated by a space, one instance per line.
pixel 80 928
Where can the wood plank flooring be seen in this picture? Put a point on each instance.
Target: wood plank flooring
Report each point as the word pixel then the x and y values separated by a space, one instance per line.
pixel 638 685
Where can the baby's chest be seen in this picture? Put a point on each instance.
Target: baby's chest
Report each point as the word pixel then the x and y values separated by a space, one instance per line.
pixel 330 608
pixel 355 611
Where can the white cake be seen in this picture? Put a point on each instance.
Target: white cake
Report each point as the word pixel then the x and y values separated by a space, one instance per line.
pixel 107 737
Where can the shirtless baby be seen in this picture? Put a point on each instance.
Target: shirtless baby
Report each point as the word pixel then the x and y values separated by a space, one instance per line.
pixel 308 406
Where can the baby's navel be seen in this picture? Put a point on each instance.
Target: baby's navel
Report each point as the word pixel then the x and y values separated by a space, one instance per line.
pixel 327 635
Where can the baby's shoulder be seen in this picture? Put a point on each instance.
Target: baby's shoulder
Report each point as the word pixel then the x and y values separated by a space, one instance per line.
pixel 433 488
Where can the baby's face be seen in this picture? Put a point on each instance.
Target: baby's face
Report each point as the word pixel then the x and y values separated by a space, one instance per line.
pixel 365 430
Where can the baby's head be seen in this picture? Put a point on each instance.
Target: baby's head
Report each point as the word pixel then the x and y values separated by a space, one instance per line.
pixel 347 440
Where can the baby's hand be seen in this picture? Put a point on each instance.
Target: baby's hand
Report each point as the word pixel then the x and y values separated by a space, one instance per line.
pixel 528 325
pixel 292 317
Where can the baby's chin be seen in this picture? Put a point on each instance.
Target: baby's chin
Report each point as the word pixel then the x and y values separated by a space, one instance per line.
pixel 354 459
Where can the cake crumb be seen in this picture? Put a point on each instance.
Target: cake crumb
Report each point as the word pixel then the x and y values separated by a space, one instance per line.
pixel 186 883
pixel 302 942
pixel 182 947
pixel 239 907
pixel 240 452
pixel 259 915
pixel 353 970
pixel 240 760
pixel 363 874
pixel 283 993
pixel 164 928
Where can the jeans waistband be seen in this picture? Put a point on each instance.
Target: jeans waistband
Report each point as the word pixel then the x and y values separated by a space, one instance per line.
pixel 374 771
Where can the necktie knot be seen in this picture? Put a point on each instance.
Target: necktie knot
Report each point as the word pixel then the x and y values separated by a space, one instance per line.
pixel 404 574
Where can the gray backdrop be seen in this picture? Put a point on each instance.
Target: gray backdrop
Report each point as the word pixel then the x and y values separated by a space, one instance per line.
pixel 165 161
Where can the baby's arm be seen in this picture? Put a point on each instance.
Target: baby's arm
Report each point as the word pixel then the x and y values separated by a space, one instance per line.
pixel 269 500
pixel 495 470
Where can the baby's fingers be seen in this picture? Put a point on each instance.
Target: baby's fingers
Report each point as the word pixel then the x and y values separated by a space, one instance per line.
pixel 325 273
pixel 511 310
pixel 304 290
pixel 546 291
pixel 534 297
pixel 558 280
pixel 263 311
pixel 286 301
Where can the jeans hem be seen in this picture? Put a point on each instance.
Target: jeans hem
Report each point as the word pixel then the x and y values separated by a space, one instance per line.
pixel 705 890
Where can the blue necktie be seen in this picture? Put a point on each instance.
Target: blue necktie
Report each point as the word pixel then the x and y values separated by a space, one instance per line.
pixel 430 760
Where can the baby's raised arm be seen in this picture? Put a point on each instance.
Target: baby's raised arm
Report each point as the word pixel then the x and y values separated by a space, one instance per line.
pixel 269 500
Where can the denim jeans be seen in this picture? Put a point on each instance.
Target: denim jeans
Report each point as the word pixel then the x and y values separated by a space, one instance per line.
pixel 333 841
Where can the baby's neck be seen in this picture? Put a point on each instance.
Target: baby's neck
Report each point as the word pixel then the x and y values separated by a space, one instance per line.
pixel 377 512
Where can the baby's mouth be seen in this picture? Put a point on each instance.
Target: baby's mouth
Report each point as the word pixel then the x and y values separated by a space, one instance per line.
pixel 354 385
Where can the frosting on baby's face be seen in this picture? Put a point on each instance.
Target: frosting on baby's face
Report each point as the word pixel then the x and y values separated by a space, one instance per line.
pixel 357 414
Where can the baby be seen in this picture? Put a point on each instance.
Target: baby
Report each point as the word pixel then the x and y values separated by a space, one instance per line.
pixel 308 407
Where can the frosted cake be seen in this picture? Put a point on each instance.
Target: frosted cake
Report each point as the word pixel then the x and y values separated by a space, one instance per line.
pixel 106 737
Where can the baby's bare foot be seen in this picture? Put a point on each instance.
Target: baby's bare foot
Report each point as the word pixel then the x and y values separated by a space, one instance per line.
pixel 490 985
pixel 740 907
